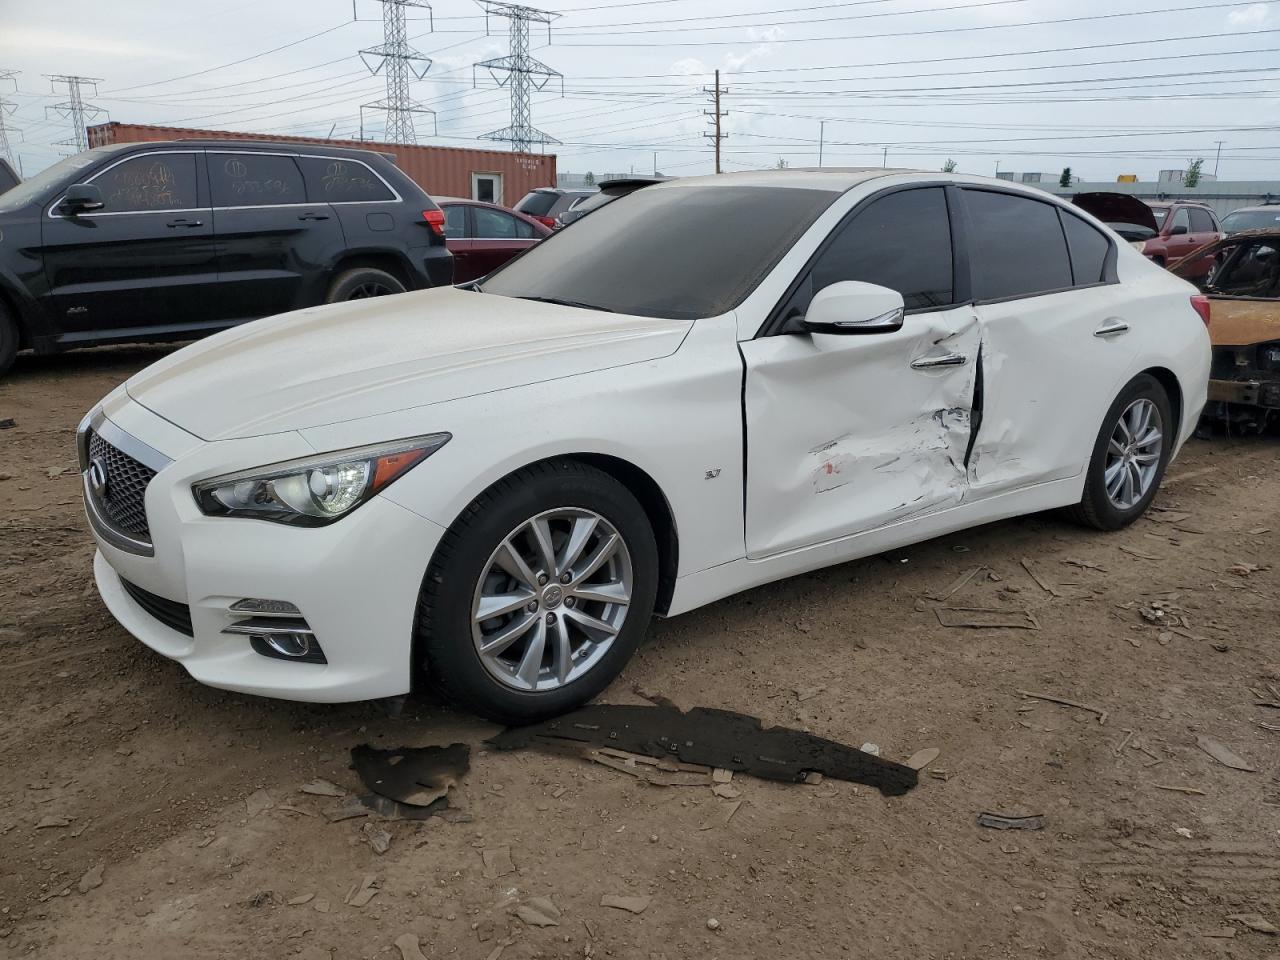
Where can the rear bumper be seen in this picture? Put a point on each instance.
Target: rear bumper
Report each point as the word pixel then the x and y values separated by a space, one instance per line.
pixel 1254 393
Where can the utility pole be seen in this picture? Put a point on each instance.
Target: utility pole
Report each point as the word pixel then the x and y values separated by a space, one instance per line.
pixel 398 62
pixel 716 114
pixel 1217 158
pixel 884 162
pixel 6 109
pixel 655 163
pixel 74 108
pixel 822 136
pixel 524 74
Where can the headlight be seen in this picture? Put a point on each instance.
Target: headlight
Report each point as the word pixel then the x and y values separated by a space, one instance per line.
pixel 316 490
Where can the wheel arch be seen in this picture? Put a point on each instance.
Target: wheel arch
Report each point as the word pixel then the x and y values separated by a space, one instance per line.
pixel 1169 380
pixel 389 261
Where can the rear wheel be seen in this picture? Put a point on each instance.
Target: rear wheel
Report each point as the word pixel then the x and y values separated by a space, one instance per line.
pixel 539 593
pixel 361 283
pixel 9 338
pixel 1129 456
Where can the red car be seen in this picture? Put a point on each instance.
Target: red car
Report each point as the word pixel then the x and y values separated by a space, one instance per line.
pixel 1183 226
pixel 484 236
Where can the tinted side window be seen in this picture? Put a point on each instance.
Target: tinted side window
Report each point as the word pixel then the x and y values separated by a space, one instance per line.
pixel 1088 247
pixel 155 181
pixel 1016 246
pixel 523 230
pixel 1201 222
pixel 1180 219
pixel 537 204
pixel 494 224
pixel 334 180
pixel 254 179
pixel 902 241
pixel 455 222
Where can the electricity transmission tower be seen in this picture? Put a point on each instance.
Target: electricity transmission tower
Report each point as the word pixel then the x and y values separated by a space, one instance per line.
pixel 524 74
pixel 74 108
pixel 716 114
pixel 399 62
pixel 6 109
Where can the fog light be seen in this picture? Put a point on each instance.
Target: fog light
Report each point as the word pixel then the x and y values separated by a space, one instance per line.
pixel 281 637
pixel 266 608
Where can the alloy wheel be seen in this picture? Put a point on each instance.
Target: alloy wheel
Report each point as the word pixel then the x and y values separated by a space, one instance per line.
pixel 370 288
pixel 1133 454
pixel 551 599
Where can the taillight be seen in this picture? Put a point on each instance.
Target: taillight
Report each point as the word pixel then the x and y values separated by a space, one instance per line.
pixel 547 221
pixel 1200 304
pixel 435 220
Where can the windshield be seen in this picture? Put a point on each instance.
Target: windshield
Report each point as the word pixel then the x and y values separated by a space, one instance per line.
pixel 678 252
pixel 1252 220
pixel 46 179
pixel 1161 214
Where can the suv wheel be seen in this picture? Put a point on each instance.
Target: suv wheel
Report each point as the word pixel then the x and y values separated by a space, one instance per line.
pixel 8 339
pixel 539 593
pixel 361 283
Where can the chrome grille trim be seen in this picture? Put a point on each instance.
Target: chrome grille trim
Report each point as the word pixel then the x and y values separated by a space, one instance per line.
pixel 120 516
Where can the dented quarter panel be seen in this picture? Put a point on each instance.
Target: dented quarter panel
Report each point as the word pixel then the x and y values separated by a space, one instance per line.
pixel 844 436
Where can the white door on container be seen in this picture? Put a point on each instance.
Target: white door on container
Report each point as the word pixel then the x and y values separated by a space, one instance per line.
pixel 486 187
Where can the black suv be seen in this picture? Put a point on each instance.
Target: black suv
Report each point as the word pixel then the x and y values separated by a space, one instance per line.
pixel 172 240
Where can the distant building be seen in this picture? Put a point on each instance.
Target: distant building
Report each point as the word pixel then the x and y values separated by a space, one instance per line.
pixel 495 176
pixel 1179 176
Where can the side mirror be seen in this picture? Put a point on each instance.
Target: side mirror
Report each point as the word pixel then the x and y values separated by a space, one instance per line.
pixel 81 197
pixel 1177 231
pixel 852 307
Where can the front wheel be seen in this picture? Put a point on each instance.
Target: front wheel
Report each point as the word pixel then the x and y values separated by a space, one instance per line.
pixel 1129 456
pixel 8 340
pixel 539 593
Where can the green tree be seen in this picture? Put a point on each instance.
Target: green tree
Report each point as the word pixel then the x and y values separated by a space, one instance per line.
pixel 1192 177
pixel 949 167
pixel 589 179
pixel 781 164
pixel 1065 179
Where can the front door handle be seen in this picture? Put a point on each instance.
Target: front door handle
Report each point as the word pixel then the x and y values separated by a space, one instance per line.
pixel 941 360
pixel 185 223
pixel 1112 327
pixel 311 215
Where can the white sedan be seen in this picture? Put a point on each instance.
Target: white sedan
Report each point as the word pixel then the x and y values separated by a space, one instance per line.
pixel 707 385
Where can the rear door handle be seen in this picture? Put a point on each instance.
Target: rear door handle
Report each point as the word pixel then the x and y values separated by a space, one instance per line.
pixel 1112 327
pixel 185 223
pixel 314 216
pixel 942 360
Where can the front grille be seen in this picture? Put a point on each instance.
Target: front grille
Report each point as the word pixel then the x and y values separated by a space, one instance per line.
pixel 174 615
pixel 122 501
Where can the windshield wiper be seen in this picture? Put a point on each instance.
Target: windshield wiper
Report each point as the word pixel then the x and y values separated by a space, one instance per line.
pixel 569 303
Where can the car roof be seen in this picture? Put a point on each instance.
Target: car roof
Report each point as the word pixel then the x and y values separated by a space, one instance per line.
pixel 1260 208
pixel 290 146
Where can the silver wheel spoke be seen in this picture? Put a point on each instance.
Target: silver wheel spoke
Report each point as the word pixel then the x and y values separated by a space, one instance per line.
pixel 597 560
pixel 1115 448
pixel 1114 477
pixel 509 559
pixel 531 662
pixel 591 624
pixel 562 655
pixel 1146 458
pixel 496 643
pixel 602 593
pixel 1133 454
pixel 495 605
pixel 542 540
pixel 579 534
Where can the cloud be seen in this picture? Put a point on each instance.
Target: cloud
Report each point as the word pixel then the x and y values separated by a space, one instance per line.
pixel 1254 15
pixel 60 41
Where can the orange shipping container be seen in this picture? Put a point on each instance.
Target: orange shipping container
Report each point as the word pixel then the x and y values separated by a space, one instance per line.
pixel 441 171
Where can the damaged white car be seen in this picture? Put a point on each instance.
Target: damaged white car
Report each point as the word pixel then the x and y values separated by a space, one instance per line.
pixel 704 386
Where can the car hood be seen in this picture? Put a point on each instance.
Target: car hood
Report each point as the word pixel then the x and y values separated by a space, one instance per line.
pixel 1117 208
pixel 363 358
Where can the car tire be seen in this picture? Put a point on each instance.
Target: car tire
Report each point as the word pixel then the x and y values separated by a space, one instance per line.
pixel 9 339
pixel 361 283
pixel 1106 506
pixel 471 566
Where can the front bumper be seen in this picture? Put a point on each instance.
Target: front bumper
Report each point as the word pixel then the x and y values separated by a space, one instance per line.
pixel 355 582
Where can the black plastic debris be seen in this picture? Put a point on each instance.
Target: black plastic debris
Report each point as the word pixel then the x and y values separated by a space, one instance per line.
pixel 410 782
pixel 997 821
pixel 714 738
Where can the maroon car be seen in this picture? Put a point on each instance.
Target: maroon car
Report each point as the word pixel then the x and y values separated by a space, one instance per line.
pixel 484 236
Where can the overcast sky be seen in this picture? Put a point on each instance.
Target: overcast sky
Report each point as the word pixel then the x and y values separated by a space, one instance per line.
pixel 1104 87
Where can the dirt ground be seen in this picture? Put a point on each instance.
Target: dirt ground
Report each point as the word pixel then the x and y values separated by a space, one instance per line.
pixel 138 771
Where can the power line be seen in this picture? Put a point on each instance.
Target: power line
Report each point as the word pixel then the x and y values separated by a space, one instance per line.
pixel 74 108
pixel 398 61
pixel 524 74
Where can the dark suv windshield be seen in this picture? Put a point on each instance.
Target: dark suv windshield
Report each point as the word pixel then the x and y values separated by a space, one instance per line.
pixel 31 189
pixel 679 251
pixel 1252 220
